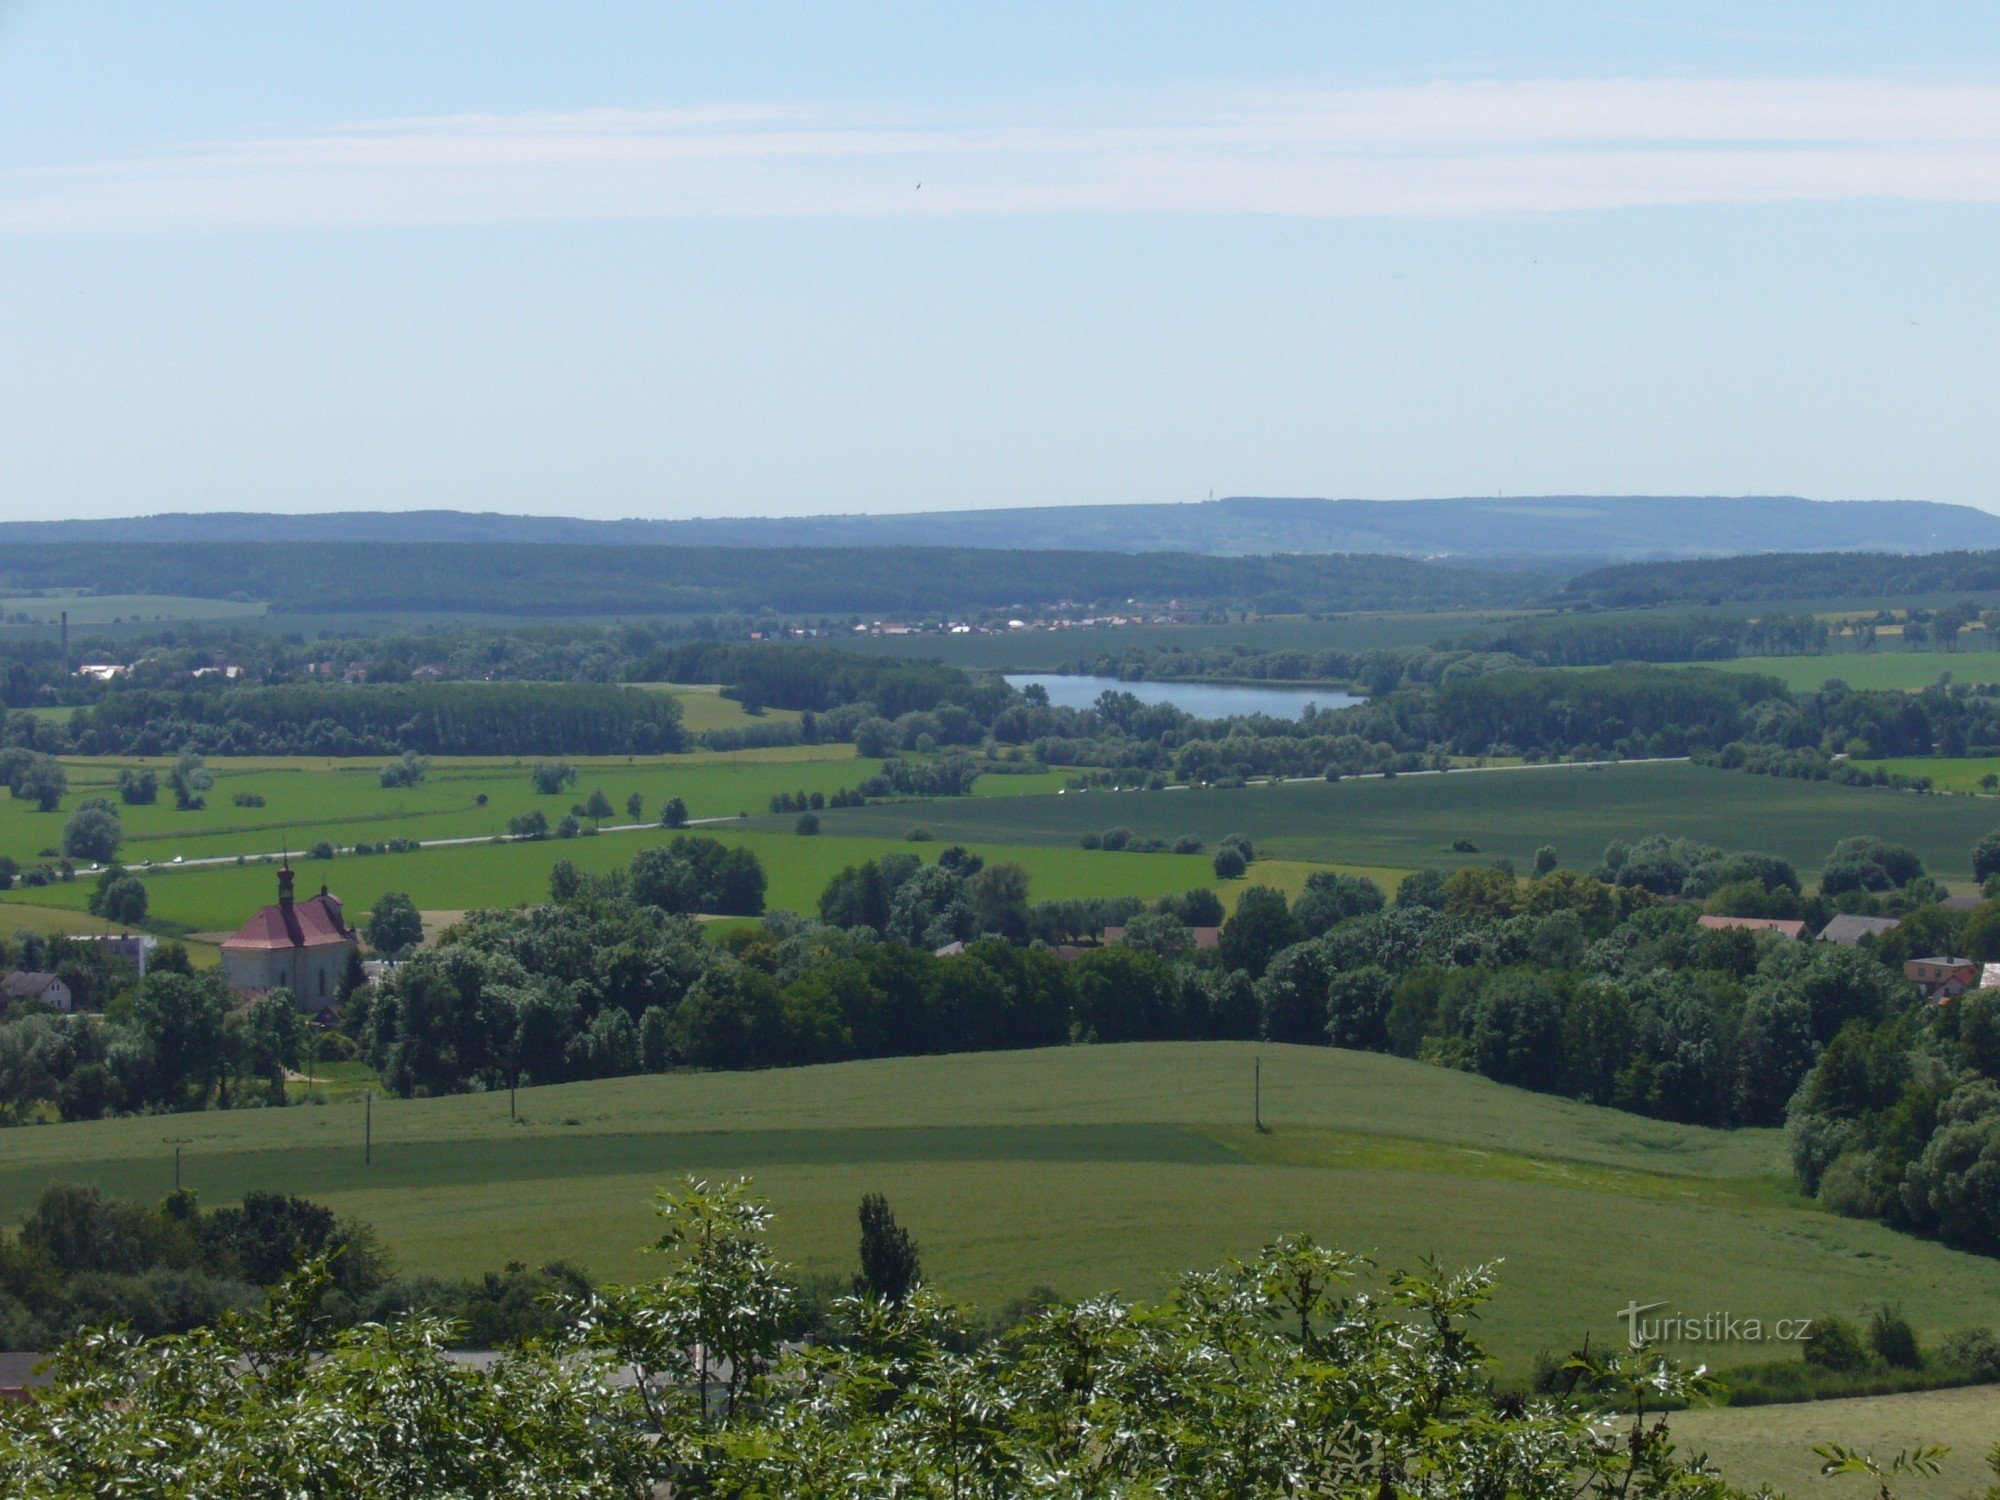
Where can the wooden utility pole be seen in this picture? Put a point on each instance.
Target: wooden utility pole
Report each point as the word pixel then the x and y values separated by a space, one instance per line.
pixel 177 1141
pixel 368 1129
pixel 1258 1106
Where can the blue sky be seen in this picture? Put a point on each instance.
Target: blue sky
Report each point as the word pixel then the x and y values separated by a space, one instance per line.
pixel 674 260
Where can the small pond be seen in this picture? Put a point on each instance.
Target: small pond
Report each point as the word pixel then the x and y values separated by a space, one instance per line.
pixel 1205 700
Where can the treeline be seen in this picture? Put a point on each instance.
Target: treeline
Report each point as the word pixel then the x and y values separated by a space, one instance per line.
pixel 1900 1121
pixel 330 719
pixel 1587 986
pixel 82 1260
pixel 1579 640
pixel 554 580
pixel 176 1040
pixel 1763 577
pixel 1592 640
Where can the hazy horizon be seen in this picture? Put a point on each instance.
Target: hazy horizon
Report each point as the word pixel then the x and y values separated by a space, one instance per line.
pixel 715 261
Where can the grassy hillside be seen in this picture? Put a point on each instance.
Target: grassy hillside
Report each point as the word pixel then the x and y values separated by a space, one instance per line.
pixel 1412 820
pixel 1773 1445
pixel 1086 1169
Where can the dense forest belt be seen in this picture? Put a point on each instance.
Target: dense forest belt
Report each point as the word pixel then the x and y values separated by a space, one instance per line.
pixel 431 718
pixel 1787 575
pixel 596 580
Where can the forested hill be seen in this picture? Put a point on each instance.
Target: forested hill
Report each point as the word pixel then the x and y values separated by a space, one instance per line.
pixel 481 578
pixel 1582 529
pixel 1794 575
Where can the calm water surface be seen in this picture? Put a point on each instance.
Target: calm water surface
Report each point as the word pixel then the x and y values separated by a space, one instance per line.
pixel 1205 700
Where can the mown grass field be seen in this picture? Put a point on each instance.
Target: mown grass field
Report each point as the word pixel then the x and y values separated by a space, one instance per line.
pixel 1909 670
pixel 1947 774
pixel 1773 1445
pixel 219 898
pixel 1410 821
pixel 1085 1169
pixel 704 708
pixel 342 801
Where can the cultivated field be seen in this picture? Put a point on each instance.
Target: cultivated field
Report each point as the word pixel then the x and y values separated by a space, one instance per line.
pixel 1410 821
pixel 1872 669
pixel 1084 1168
pixel 120 609
pixel 1773 1445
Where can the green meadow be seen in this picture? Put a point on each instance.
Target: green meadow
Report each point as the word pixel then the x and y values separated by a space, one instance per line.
pixel 1946 773
pixel 218 898
pixel 1908 670
pixel 1410 821
pixel 1757 1445
pixel 1085 1169
pixel 704 708
pixel 342 801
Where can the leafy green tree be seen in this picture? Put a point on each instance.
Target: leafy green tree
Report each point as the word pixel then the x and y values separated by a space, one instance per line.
pixel 998 895
pixel 532 824
pixel 409 769
pixel 190 781
pixel 635 807
pixel 597 807
pixel 674 814
pixel 1126 995
pixel 274 1035
pixel 1986 857
pixel 124 901
pixel 394 923
pixel 41 781
pixel 1330 898
pixel 1546 859
pixel 93 831
pixel 138 785
pixel 891 1267
pixel 551 778
pixel 182 1022
pixel 1161 934
pixel 565 880
pixel 1229 864
pixel 1261 927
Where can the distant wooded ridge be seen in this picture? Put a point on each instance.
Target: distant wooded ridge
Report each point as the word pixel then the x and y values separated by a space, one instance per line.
pixel 1552 530
pixel 1817 575
pixel 882 582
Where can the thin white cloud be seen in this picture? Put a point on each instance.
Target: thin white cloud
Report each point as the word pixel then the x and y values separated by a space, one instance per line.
pixel 1434 151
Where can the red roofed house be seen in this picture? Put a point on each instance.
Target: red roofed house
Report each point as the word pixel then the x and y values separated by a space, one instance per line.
pixel 301 946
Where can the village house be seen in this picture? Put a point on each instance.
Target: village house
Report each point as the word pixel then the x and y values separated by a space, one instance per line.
pixel 1848 929
pixel 301 946
pixel 1942 978
pixel 33 984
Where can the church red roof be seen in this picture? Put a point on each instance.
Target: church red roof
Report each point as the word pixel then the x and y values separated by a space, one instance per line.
pixel 313 923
